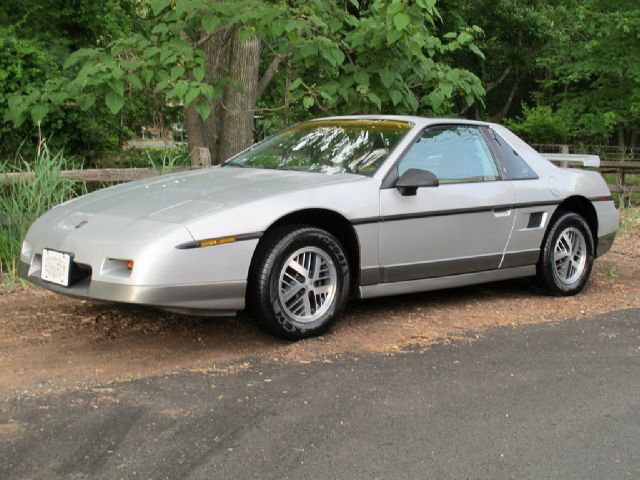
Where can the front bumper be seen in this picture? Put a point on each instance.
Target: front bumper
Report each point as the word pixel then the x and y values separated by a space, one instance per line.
pixel 205 299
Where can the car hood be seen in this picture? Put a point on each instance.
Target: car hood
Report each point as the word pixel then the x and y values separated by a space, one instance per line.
pixel 179 198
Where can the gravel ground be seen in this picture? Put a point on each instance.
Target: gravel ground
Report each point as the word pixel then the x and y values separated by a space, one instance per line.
pixel 51 343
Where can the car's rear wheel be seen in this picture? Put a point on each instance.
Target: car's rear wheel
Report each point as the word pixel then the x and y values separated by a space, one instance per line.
pixel 300 281
pixel 567 256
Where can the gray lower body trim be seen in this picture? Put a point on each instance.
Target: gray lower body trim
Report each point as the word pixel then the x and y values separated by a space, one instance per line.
pixel 605 243
pixel 206 298
pixel 423 285
pixel 519 259
pixel 441 268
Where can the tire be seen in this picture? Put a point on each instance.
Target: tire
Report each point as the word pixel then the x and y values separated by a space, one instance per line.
pixel 299 283
pixel 566 257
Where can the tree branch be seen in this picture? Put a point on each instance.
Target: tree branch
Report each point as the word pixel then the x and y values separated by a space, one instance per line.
pixel 202 40
pixel 314 95
pixel 270 72
pixel 491 85
pixel 505 109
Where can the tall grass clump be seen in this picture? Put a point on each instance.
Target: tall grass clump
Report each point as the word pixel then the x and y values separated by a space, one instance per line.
pixel 28 191
pixel 167 161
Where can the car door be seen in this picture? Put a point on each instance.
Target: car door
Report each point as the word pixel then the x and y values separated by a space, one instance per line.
pixel 460 226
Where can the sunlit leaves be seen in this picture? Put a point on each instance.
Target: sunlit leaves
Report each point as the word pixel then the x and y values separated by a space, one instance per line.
pixel 387 77
pixel 210 23
pixel 361 78
pixel 87 101
pixel 401 20
pixel 190 96
pixel 158 6
pixel 114 101
pixel 204 110
pixel 198 73
pixel 373 98
pixel 385 57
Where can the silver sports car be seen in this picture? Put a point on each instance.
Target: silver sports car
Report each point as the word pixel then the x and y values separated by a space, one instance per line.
pixel 328 209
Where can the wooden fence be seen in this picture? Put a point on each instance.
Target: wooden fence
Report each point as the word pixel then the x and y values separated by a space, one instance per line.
pixel 606 153
pixel 105 175
pixel 118 175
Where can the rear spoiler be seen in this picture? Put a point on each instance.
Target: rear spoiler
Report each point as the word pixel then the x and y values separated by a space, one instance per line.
pixel 573 159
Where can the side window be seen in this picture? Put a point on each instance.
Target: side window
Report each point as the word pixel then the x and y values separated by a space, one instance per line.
pixel 454 154
pixel 512 166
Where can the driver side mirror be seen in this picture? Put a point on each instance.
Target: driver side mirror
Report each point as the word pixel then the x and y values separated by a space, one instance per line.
pixel 414 178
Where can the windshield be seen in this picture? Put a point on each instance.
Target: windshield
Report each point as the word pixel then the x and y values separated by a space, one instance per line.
pixel 327 146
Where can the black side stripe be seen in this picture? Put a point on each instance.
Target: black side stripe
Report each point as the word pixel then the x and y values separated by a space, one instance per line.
pixel 454 211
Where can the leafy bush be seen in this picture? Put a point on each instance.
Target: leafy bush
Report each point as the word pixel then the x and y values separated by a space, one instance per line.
pixel 541 124
pixel 39 187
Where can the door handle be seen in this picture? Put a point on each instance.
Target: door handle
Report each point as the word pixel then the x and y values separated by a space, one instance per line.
pixel 502 212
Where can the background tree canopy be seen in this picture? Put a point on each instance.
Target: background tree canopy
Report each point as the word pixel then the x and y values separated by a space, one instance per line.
pixel 91 74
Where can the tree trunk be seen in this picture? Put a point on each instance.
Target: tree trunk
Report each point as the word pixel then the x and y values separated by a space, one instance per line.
pixel 240 98
pixel 621 138
pixel 193 124
pixel 217 51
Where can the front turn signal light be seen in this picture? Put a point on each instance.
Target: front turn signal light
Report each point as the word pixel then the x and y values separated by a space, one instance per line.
pixel 130 264
pixel 216 241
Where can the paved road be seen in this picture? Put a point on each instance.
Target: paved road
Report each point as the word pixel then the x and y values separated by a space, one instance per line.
pixel 545 401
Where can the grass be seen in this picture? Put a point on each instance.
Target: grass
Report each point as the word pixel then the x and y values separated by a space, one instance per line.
pixel 167 161
pixel 629 178
pixel 629 219
pixel 23 200
pixel 142 157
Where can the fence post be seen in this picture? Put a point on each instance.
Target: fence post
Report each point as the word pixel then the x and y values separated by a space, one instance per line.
pixel 564 149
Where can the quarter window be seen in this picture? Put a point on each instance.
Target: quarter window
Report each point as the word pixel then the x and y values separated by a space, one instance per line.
pixel 454 154
pixel 512 165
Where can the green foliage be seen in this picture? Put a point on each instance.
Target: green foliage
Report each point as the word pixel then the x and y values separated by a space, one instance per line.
pixel 22 65
pixel 369 56
pixel 22 201
pixel 36 36
pixel 594 67
pixel 542 125
pixel 516 33
pixel 166 161
pixel 157 158
pixel 388 56
pixel 93 72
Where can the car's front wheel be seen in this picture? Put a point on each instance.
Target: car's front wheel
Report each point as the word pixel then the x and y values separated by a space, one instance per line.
pixel 300 282
pixel 567 256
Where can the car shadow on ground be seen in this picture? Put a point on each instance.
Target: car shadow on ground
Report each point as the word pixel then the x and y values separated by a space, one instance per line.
pixel 117 320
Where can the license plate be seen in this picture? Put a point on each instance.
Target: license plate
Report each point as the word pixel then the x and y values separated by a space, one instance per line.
pixel 56 267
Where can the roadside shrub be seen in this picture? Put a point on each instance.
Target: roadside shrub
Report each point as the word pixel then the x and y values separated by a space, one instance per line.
pixel 38 187
pixel 541 124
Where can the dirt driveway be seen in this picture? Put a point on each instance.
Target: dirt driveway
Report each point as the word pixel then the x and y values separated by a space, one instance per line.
pixel 50 343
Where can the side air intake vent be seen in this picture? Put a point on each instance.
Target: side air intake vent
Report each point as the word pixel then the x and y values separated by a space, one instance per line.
pixel 535 220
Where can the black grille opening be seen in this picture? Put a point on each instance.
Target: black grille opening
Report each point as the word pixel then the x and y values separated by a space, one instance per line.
pixel 535 220
pixel 78 272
